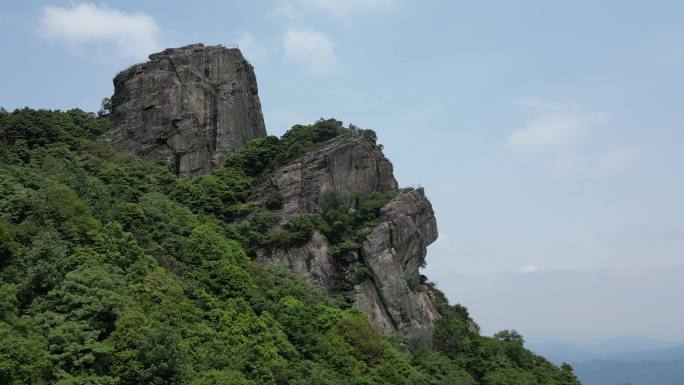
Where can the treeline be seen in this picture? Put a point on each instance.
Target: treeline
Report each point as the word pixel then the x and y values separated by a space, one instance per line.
pixel 114 271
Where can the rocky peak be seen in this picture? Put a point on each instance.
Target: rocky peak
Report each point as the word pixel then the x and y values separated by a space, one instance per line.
pixel 192 105
pixel 390 291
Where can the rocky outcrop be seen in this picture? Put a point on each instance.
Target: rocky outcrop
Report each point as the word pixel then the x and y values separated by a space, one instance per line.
pixel 351 167
pixel 196 104
pixel 191 105
pixel 394 251
pixel 310 261
pixel 390 291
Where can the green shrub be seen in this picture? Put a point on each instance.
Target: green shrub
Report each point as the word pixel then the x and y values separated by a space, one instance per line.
pixel 274 200
pixel 359 334
pixel 221 377
pixel 256 156
pixel 8 247
pixel 298 230
pixel 361 274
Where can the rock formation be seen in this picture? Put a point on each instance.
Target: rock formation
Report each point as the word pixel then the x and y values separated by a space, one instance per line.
pixel 351 167
pixel 191 105
pixel 194 105
pixel 310 261
pixel 393 251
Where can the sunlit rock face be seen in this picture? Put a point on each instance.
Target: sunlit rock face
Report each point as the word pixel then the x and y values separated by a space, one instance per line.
pixel 393 251
pixel 350 167
pixel 192 105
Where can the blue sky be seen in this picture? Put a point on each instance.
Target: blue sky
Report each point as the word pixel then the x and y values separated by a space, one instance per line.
pixel 548 135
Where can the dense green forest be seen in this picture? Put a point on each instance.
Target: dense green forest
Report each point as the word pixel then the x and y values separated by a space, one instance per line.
pixel 114 271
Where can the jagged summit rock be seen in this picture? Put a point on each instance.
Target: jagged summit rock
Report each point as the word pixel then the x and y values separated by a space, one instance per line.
pixel 192 105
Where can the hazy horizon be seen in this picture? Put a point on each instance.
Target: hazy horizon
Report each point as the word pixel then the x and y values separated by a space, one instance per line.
pixel 546 136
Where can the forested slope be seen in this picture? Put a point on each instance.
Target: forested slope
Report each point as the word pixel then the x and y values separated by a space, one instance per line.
pixel 115 271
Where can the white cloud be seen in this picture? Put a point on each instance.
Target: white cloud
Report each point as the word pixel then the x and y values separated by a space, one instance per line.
pixel 344 8
pixel 553 126
pixel 250 47
pixel 567 138
pixel 597 164
pixel 529 269
pixel 309 48
pixel 99 29
pixel 341 9
pixel 616 159
pixel 286 8
pixel 569 162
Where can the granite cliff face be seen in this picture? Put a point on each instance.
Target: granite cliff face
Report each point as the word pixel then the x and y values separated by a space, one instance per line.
pixel 191 105
pixel 393 251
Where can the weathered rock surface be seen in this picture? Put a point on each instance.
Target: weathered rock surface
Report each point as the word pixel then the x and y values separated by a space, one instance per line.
pixel 310 261
pixel 393 251
pixel 351 167
pixel 191 105
pixel 194 105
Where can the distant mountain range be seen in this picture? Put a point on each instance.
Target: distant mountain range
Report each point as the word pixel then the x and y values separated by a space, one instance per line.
pixel 634 373
pixel 663 355
pixel 619 361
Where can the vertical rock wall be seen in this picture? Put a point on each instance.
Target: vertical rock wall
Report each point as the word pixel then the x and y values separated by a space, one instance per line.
pixel 192 105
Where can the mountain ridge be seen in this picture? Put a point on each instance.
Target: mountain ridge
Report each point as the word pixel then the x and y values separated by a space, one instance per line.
pixel 117 268
pixel 346 168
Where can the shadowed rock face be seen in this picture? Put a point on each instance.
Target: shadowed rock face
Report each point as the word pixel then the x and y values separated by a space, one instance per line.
pixel 192 105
